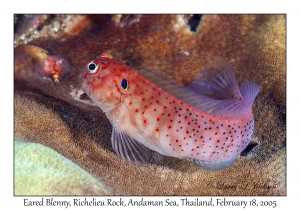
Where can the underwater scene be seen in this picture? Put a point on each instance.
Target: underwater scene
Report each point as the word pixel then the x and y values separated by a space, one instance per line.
pixel 141 105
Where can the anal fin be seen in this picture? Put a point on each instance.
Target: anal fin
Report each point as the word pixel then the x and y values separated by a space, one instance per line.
pixel 129 149
pixel 214 165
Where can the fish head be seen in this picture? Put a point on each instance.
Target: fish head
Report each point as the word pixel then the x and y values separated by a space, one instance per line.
pixel 102 79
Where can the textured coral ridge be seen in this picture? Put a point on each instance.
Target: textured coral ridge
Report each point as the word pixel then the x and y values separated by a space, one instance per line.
pixel 59 117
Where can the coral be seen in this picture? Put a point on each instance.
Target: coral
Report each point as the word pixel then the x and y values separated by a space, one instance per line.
pixel 52 66
pixel 40 170
pixel 56 115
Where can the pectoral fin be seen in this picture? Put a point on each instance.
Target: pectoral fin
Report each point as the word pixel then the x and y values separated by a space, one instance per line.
pixel 129 149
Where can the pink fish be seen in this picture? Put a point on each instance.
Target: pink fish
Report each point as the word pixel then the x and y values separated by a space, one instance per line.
pixel 208 123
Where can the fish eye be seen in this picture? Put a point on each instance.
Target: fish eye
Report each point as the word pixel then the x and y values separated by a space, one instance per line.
pixel 93 67
pixel 124 84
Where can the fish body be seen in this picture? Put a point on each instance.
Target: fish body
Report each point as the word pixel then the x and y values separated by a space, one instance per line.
pixel 208 123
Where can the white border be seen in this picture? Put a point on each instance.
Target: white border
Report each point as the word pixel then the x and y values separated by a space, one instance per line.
pixel 153 6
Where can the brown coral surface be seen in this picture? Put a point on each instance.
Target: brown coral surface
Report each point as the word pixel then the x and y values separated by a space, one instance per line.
pixel 61 117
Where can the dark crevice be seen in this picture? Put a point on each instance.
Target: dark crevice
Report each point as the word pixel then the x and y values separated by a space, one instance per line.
pixel 128 17
pixel 250 146
pixel 194 21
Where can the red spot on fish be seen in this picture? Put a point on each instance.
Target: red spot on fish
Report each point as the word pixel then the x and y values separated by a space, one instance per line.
pixel 136 110
pixel 154 110
pixel 130 102
pixel 157 129
pixel 145 121
pixel 170 127
pixel 157 119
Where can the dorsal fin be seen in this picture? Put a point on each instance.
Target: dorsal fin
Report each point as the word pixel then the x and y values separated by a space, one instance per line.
pixel 215 90
pixel 167 84
pixel 219 93
pixel 217 80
